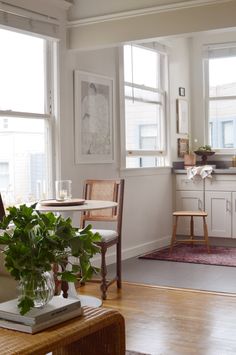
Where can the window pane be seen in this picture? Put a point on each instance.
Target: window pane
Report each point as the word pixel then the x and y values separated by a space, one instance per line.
pixel 227 129
pixel 22 160
pixel 144 162
pixel 140 94
pixel 222 123
pixel 22 72
pixel 138 114
pixel 222 77
pixel 134 59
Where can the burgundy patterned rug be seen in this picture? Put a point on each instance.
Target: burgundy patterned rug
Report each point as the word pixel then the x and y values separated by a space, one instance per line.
pixel 196 254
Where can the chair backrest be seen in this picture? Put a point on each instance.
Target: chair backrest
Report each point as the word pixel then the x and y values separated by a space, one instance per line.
pixel 2 210
pixel 106 190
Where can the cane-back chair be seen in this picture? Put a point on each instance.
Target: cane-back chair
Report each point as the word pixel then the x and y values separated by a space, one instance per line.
pixel 106 190
pixel 2 210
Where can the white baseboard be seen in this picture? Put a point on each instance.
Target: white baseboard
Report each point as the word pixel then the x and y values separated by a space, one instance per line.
pixel 134 251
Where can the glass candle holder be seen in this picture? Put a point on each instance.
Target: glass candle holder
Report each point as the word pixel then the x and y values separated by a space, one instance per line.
pixel 63 190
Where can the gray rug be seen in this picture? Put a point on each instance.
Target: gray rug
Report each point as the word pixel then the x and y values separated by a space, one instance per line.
pixel 134 353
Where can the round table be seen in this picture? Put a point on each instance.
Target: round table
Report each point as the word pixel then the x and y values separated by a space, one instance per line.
pixel 88 205
pixel 68 211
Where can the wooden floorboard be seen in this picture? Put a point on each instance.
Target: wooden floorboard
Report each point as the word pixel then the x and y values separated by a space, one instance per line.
pixel 166 321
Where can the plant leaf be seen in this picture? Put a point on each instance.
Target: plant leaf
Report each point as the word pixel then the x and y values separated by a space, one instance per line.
pixel 25 304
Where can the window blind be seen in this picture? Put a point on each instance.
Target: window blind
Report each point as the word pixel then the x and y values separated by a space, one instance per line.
pixel 33 22
pixel 220 50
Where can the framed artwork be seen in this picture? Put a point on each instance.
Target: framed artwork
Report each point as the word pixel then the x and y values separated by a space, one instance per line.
pixel 93 98
pixel 183 147
pixel 182 116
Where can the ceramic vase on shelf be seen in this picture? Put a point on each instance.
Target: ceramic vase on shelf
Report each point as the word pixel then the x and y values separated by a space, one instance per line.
pixel 38 286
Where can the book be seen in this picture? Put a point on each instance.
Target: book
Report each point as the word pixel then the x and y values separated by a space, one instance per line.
pixel 58 306
pixel 35 328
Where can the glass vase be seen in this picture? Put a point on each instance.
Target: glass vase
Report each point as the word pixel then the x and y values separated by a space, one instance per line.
pixel 38 286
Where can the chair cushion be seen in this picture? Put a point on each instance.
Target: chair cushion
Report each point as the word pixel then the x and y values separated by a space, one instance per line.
pixel 106 234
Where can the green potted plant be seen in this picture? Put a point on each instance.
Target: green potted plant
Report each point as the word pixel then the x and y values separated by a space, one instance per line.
pixel 34 243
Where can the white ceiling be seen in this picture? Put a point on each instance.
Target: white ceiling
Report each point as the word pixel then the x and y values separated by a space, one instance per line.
pixel 91 8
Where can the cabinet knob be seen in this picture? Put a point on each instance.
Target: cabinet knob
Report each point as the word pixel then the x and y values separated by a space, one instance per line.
pixel 228 206
pixel 200 204
pixel 187 181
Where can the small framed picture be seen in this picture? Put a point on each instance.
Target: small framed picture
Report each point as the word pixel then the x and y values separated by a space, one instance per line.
pixel 182 116
pixel 181 91
pixel 183 147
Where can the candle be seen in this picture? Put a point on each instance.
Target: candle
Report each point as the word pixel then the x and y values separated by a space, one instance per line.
pixel 63 190
pixel 62 194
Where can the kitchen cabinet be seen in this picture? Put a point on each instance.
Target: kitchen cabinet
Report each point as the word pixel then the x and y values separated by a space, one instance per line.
pixel 233 211
pixel 217 196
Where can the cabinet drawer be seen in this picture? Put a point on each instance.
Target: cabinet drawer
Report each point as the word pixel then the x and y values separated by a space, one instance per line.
pixel 182 183
pixel 221 183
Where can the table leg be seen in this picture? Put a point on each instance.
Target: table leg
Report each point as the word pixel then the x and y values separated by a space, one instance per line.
pixel 69 290
pixel 85 300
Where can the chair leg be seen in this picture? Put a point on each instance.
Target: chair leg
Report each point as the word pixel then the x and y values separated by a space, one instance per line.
pixel 55 269
pixel 103 286
pixel 206 234
pixel 173 239
pixel 64 284
pixel 118 264
pixel 192 230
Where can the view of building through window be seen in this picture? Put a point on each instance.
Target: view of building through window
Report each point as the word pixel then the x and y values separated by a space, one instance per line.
pixel 222 102
pixel 144 106
pixel 24 118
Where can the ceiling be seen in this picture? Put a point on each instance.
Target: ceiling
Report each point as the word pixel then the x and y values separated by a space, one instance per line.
pixel 82 9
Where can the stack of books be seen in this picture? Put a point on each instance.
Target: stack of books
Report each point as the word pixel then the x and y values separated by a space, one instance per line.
pixel 58 310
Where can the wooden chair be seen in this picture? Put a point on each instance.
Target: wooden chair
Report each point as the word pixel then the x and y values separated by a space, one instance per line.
pixel 191 239
pixel 2 209
pixel 107 190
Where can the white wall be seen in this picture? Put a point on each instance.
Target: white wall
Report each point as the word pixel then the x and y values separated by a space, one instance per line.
pixel 148 193
pixel 179 76
pixel 143 202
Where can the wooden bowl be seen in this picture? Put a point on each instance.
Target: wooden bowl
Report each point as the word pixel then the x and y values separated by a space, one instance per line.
pixel 204 154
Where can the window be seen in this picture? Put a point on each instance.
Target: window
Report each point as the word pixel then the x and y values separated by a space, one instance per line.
pixel 4 176
pixel 221 96
pixel 144 95
pixel 25 116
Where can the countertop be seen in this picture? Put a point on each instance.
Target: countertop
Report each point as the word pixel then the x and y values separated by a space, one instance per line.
pixel 227 171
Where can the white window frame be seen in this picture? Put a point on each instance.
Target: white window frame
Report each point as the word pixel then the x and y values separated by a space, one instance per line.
pixel 217 47
pixel 51 53
pixel 164 84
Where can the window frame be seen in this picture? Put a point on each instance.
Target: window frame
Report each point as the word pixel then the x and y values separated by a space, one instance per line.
pixel 208 99
pixel 163 92
pixel 51 55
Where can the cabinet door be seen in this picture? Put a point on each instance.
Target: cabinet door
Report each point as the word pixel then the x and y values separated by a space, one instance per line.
pixel 189 201
pixel 234 214
pixel 218 205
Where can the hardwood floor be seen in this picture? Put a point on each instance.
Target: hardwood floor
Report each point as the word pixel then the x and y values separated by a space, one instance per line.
pixel 164 321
